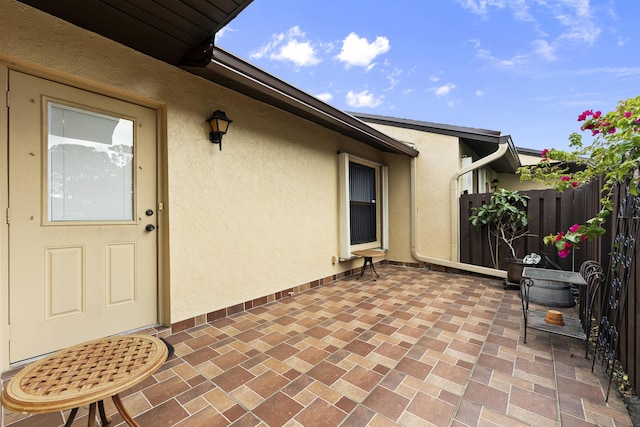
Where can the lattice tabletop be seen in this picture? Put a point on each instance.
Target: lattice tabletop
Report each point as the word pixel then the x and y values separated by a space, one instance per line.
pixel 85 373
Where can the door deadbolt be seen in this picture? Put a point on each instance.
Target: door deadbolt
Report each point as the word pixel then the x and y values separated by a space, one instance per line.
pixel 149 212
pixel 150 227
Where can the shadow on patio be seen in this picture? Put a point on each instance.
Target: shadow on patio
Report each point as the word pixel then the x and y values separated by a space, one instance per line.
pixel 414 348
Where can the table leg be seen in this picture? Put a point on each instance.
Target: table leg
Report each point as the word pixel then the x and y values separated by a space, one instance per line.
pixel 92 415
pixel 369 260
pixel 72 416
pixel 103 415
pixel 364 266
pixel 373 269
pixel 123 411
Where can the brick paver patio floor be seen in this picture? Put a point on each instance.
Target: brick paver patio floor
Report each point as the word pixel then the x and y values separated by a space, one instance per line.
pixel 414 348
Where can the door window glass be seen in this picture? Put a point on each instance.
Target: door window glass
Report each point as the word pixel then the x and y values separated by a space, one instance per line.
pixel 90 165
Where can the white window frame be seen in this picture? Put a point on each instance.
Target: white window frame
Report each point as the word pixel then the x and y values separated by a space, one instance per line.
pixel 382 206
pixel 483 183
pixel 127 206
pixel 466 179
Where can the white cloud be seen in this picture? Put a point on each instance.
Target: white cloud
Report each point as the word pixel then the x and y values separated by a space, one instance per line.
pixel 300 53
pixel 487 55
pixel 444 90
pixel 622 72
pixel 394 78
pixel 482 8
pixel 579 29
pixel 434 79
pixel 362 99
pixel 502 63
pixel 576 16
pixel 520 10
pixel 221 33
pixel 543 49
pixel 480 93
pixel 357 51
pixel 290 46
pixel 324 96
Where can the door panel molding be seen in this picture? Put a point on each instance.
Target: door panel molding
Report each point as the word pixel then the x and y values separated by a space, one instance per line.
pixel 65 284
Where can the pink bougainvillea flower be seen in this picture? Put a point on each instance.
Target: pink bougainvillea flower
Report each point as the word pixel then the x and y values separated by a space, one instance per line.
pixel 565 178
pixel 597 115
pixel 564 253
pixel 586 114
pixel 567 245
pixel 544 152
pixel 612 130
pixel 574 184
pixel 559 236
pixel 583 237
pixel 574 228
pixel 595 132
pixel 627 114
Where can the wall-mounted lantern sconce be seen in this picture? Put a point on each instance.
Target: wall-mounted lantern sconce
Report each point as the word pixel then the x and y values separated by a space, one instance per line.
pixel 494 184
pixel 219 123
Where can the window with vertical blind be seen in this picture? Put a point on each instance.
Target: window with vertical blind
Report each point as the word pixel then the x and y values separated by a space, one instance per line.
pixel 90 165
pixel 363 205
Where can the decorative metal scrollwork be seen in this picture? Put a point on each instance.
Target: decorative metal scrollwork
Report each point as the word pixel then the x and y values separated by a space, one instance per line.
pixel 614 300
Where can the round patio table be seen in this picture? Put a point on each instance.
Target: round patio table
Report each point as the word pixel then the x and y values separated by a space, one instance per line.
pixel 85 374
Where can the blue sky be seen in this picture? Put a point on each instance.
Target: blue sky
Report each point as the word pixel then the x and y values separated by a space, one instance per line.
pixel 526 68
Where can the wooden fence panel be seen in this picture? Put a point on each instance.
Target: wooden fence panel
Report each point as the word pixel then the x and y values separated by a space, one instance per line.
pixel 549 224
pixel 550 212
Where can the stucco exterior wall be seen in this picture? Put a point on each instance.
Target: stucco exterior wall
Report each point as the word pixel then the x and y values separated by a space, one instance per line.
pixel 527 159
pixel 399 208
pixel 512 182
pixel 438 160
pixel 255 218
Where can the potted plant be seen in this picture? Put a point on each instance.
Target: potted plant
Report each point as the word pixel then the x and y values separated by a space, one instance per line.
pixel 506 219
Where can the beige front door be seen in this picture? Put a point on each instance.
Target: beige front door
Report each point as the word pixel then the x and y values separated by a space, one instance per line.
pixel 82 223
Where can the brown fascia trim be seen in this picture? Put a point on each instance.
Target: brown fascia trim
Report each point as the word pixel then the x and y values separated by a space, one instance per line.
pixel 484 135
pixel 258 84
pixel 530 152
pixel 461 132
pixel 513 158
